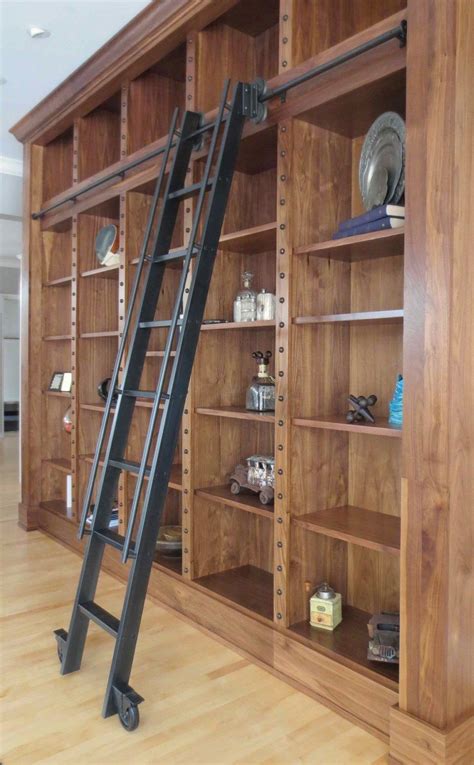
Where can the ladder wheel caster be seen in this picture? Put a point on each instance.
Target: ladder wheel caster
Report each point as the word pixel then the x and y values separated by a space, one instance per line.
pixel 130 718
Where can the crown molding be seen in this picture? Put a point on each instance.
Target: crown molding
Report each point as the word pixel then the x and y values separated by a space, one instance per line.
pixel 153 33
pixel 10 166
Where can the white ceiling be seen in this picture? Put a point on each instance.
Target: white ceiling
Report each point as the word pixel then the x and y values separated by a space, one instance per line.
pixel 33 67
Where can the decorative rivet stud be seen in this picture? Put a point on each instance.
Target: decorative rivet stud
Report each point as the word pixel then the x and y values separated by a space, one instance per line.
pixel 282 226
pixel 282 177
pixel 189 97
pixel 186 550
pixel 186 411
pixel 282 274
pixel 282 201
pixel 283 153
pixel 279 592
pixel 282 300
pixel 185 471
pixel 281 324
pixel 186 570
pixel 280 447
pixel 186 431
pixel 282 250
pixel 284 63
pixel 186 451
pixel 279 568
pixel 280 520
pixel 279 544
pixel 281 373
pixel 186 531
pixel 280 423
pixel 283 128
pixel 186 491
pixel 279 616
pixel 281 349
pixel 280 471
pixel 285 17
pixel 185 510
pixel 280 496
pixel 285 40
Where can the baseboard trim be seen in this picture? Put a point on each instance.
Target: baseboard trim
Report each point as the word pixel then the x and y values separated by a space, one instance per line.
pixel 413 741
pixel 27 517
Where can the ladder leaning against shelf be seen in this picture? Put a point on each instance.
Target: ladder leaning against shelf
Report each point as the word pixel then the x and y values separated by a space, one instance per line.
pixel 212 194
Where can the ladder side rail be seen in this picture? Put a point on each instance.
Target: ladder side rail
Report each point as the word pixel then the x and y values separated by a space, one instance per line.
pixel 121 350
pixel 174 321
pixel 94 550
pixel 140 338
pixel 169 427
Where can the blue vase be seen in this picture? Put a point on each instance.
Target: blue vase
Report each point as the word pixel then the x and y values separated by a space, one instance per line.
pixel 395 406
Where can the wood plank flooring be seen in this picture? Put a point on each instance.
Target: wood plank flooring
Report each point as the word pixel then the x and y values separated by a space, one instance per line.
pixel 204 703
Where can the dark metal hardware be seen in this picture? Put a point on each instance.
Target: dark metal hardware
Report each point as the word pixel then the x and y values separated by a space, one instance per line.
pixel 398 33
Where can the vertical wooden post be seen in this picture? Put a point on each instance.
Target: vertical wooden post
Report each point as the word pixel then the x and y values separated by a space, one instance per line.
pixel 30 307
pixel 437 671
pixel 189 418
pixel 283 373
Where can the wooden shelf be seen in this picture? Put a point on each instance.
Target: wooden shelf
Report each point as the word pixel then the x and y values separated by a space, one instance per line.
pixel 376 531
pixel 104 272
pixel 248 586
pixel 58 507
pixel 381 427
pixel 62 281
pixel 58 393
pixel 364 317
pixel 260 324
pixel 348 642
pixel 378 244
pixel 158 354
pixel 250 240
pixel 56 338
pixel 248 502
pixel 95 407
pixel 237 413
pixel 60 463
pixel 93 335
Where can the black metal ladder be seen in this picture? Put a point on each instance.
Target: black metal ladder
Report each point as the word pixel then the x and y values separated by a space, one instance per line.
pixel 212 193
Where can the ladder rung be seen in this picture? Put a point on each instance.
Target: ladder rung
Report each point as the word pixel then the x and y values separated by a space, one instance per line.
pixel 190 191
pixel 176 255
pixel 129 465
pixel 143 394
pixel 100 616
pixel 113 539
pixel 204 129
pixel 158 324
pixel 138 393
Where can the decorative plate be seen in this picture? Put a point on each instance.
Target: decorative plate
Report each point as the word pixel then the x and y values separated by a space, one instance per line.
pixel 382 162
pixel 106 246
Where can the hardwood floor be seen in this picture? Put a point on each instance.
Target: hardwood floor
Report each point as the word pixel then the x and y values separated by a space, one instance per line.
pixel 204 703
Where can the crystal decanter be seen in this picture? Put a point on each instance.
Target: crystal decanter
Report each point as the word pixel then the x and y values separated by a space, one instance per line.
pixel 261 392
pixel 245 303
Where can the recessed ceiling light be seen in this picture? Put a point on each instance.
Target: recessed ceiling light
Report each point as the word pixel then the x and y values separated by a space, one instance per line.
pixel 36 32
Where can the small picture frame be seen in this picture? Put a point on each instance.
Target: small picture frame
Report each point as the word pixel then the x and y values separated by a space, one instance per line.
pixel 56 381
pixel 66 383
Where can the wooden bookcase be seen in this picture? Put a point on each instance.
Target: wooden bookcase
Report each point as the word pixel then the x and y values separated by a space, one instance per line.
pixel 351 315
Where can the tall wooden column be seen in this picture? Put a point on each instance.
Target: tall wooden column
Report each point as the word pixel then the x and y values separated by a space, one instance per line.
pixel 434 722
pixel 31 325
